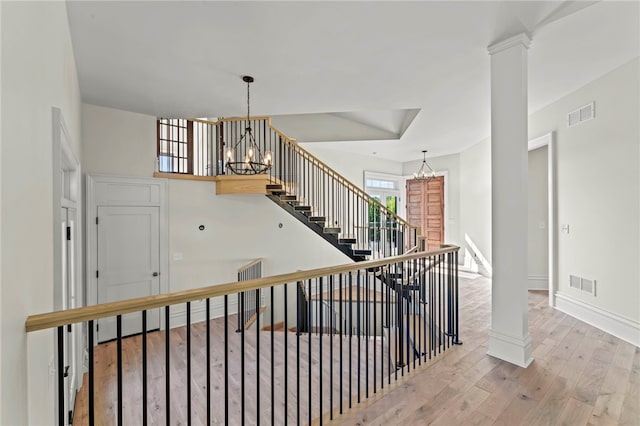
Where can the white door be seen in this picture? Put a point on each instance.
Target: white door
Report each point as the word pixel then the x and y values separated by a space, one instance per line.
pixel 128 264
pixel 68 229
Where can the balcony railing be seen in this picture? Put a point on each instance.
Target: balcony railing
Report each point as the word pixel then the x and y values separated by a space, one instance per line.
pixel 391 316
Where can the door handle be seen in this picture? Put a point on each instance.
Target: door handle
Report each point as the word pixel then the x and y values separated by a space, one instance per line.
pixel 155 274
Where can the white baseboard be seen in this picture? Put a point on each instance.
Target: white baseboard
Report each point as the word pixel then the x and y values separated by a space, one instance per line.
pixel 623 328
pixel 198 311
pixel 538 282
pixel 511 349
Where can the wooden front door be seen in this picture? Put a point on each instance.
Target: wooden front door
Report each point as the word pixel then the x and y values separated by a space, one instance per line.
pixel 425 209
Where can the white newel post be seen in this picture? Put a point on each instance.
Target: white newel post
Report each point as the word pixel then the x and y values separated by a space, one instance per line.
pixel 509 337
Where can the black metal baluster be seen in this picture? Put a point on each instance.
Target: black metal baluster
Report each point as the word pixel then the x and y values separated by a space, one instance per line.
pixel 457 340
pixel 405 301
pixel 367 335
pixel 332 328
pixel 273 390
pixel 119 365
pixel 61 411
pixel 321 348
pixel 226 359
pixel 341 335
pixel 144 367
pixel 310 384
pixel 431 300
pixel 413 310
pixel 388 306
pixel 208 355
pixel 298 325
pixel 375 333
pixel 188 363
pixel 257 314
pixel 167 350
pixel 423 289
pixel 286 358
pixel 358 327
pixel 440 306
pixel 350 333
pixel 91 332
pixel 242 395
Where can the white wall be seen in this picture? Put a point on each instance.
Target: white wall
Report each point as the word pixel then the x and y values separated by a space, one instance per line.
pixel 475 205
pixel 238 228
pixel 353 166
pixel 538 233
pixel 37 73
pixel 118 142
pixel 598 190
pixel 451 165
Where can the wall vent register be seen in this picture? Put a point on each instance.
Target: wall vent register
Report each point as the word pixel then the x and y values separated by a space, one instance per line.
pixel 582 114
pixel 583 284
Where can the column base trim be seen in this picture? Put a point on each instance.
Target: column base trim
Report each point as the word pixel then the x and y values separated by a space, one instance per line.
pixel 514 350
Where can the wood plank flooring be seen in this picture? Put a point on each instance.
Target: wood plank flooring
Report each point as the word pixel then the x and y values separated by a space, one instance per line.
pixel 580 376
pixel 343 378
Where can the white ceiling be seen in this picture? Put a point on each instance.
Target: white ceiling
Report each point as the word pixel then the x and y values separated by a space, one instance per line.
pixel 357 61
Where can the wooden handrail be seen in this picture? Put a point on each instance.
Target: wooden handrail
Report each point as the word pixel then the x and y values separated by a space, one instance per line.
pixel 87 313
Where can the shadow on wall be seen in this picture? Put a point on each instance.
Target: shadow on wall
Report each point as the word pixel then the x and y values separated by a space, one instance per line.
pixel 474 259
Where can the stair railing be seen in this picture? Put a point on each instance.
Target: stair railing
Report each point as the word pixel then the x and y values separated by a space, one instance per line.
pixel 250 303
pixel 205 373
pixel 343 205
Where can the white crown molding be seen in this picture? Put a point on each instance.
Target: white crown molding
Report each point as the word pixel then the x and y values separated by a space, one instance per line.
pixel 621 327
pixel 521 39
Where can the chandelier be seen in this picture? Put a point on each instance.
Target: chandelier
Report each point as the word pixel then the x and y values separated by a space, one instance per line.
pixel 254 161
pixel 425 172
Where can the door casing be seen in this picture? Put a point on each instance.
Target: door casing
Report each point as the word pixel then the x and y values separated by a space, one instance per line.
pixel 105 190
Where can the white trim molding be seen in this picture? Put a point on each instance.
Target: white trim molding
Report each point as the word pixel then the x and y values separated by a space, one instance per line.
pixel 538 282
pixel 621 327
pixel 548 141
pixel 512 349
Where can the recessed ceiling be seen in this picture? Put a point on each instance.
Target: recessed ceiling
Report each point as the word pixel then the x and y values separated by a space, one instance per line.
pixel 358 62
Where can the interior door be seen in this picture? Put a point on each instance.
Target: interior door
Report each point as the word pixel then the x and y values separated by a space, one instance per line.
pixel 128 264
pixel 425 208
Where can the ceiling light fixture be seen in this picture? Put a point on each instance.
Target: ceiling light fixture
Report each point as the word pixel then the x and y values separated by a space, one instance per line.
pixel 254 162
pixel 425 172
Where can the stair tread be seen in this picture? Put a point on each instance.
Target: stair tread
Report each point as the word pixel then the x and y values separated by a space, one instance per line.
pixel 346 240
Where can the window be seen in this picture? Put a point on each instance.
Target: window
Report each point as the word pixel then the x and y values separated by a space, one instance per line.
pixel 175 145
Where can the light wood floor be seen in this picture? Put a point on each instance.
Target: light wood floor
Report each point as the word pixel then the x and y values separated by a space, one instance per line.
pixel 356 372
pixel 580 376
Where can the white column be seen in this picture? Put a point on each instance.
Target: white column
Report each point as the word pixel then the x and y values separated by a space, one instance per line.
pixel 509 337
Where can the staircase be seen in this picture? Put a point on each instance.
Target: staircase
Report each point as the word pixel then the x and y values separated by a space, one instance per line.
pixel 325 201
pixel 318 224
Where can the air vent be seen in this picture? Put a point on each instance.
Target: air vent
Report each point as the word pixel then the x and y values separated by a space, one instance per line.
pixel 583 284
pixel 581 115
